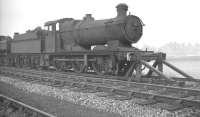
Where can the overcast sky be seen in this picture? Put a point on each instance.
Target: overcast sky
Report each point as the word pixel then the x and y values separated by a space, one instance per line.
pixel 165 20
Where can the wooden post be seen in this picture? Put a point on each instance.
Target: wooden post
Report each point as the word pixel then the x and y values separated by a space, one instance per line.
pixel 177 70
pixel 154 70
pixel 85 60
pixel 150 71
pixel 160 64
pixel 138 71
pixel 130 70
pixel 117 69
pixel 85 64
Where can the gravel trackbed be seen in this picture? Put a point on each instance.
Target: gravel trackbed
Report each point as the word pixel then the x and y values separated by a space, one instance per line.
pixel 62 102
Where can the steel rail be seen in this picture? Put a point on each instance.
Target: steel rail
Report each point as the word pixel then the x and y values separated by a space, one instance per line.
pixel 45 114
pixel 108 76
pixel 63 76
pixel 119 87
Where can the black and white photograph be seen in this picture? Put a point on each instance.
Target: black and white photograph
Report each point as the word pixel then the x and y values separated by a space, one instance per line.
pixel 99 58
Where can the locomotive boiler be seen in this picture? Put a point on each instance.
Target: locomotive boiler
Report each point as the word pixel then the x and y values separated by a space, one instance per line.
pixel 122 30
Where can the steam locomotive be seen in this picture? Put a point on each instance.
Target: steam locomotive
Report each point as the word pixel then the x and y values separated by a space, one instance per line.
pixel 101 46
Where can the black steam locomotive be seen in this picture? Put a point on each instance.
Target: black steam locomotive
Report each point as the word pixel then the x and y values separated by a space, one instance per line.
pixel 100 46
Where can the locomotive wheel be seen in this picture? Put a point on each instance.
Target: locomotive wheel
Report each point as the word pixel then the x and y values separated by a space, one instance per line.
pixel 77 66
pixel 98 69
pixel 60 66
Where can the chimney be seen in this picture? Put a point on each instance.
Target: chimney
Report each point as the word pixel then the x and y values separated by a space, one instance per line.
pixel 121 10
pixel 88 17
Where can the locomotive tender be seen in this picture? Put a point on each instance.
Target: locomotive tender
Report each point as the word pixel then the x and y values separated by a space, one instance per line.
pixel 101 46
pixel 4 44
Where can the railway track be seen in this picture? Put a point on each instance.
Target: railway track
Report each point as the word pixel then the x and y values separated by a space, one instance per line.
pixel 177 97
pixel 11 107
pixel 154 79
